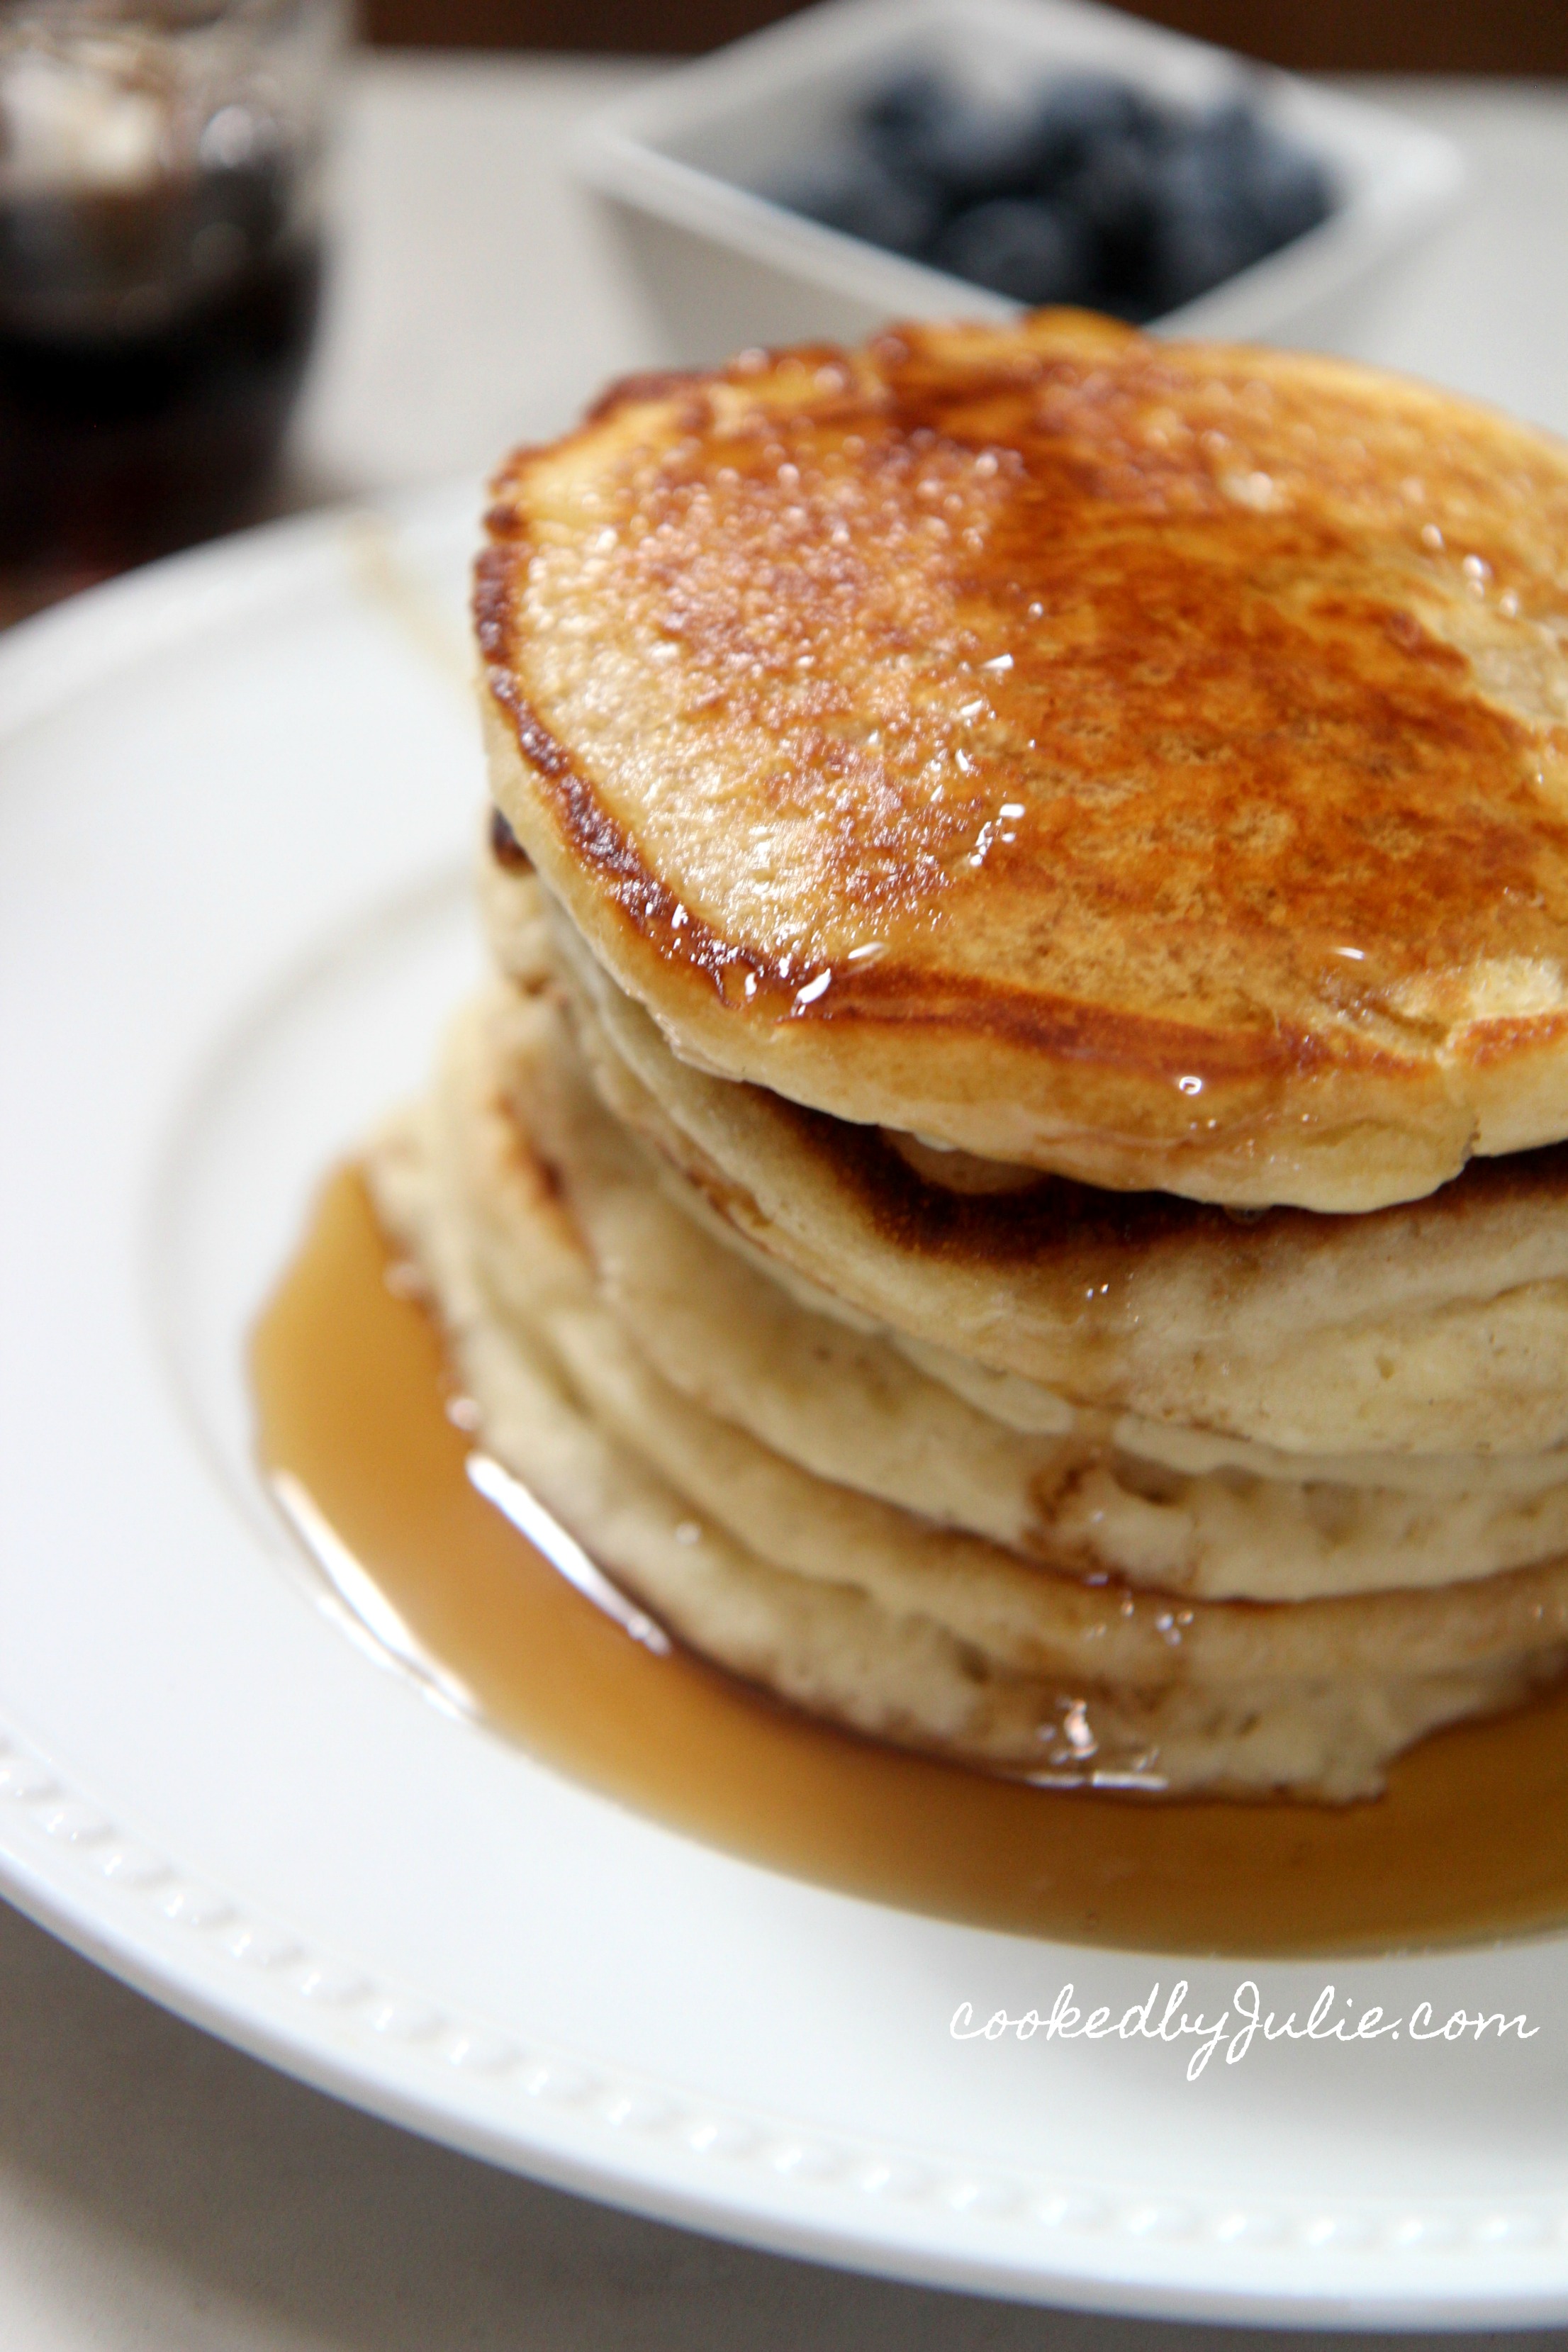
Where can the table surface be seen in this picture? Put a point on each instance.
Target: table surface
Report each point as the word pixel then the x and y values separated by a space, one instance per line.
pixel 158 2191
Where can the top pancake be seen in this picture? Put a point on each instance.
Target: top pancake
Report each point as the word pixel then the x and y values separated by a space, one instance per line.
pixel 1145 762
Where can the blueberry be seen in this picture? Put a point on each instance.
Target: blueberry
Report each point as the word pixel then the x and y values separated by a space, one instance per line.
pixel 1230 191
pixel 931 131
pixel 1070 121
pixel 1289 190
pixel 861 197
pixel 901 121
pixel 1230 124
pixel 1203 231
pixel 1031 251
pixel 1115 194
pixel 1033 150
pixel 977 154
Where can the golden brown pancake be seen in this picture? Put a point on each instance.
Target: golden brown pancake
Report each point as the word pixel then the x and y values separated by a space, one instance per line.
pixel 1434 1329
pixel 1140 762
pixel 868 1612
pixel 850 1407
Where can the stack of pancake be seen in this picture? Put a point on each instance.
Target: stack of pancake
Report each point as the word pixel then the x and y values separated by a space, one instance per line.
pixel 1008 1184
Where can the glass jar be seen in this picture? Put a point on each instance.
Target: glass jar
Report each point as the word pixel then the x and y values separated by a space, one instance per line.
pixel 161 170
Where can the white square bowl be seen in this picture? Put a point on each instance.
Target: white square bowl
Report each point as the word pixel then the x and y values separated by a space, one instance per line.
pixel 682 162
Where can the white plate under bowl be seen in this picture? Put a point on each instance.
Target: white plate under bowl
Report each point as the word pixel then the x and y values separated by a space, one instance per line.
pixel 237 795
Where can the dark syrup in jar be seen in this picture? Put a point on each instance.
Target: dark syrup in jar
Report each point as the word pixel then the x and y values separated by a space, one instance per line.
pixel 1466 1845
pixel 151 342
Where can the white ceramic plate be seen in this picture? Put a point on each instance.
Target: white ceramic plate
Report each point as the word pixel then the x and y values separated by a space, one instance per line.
pixel 235 803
